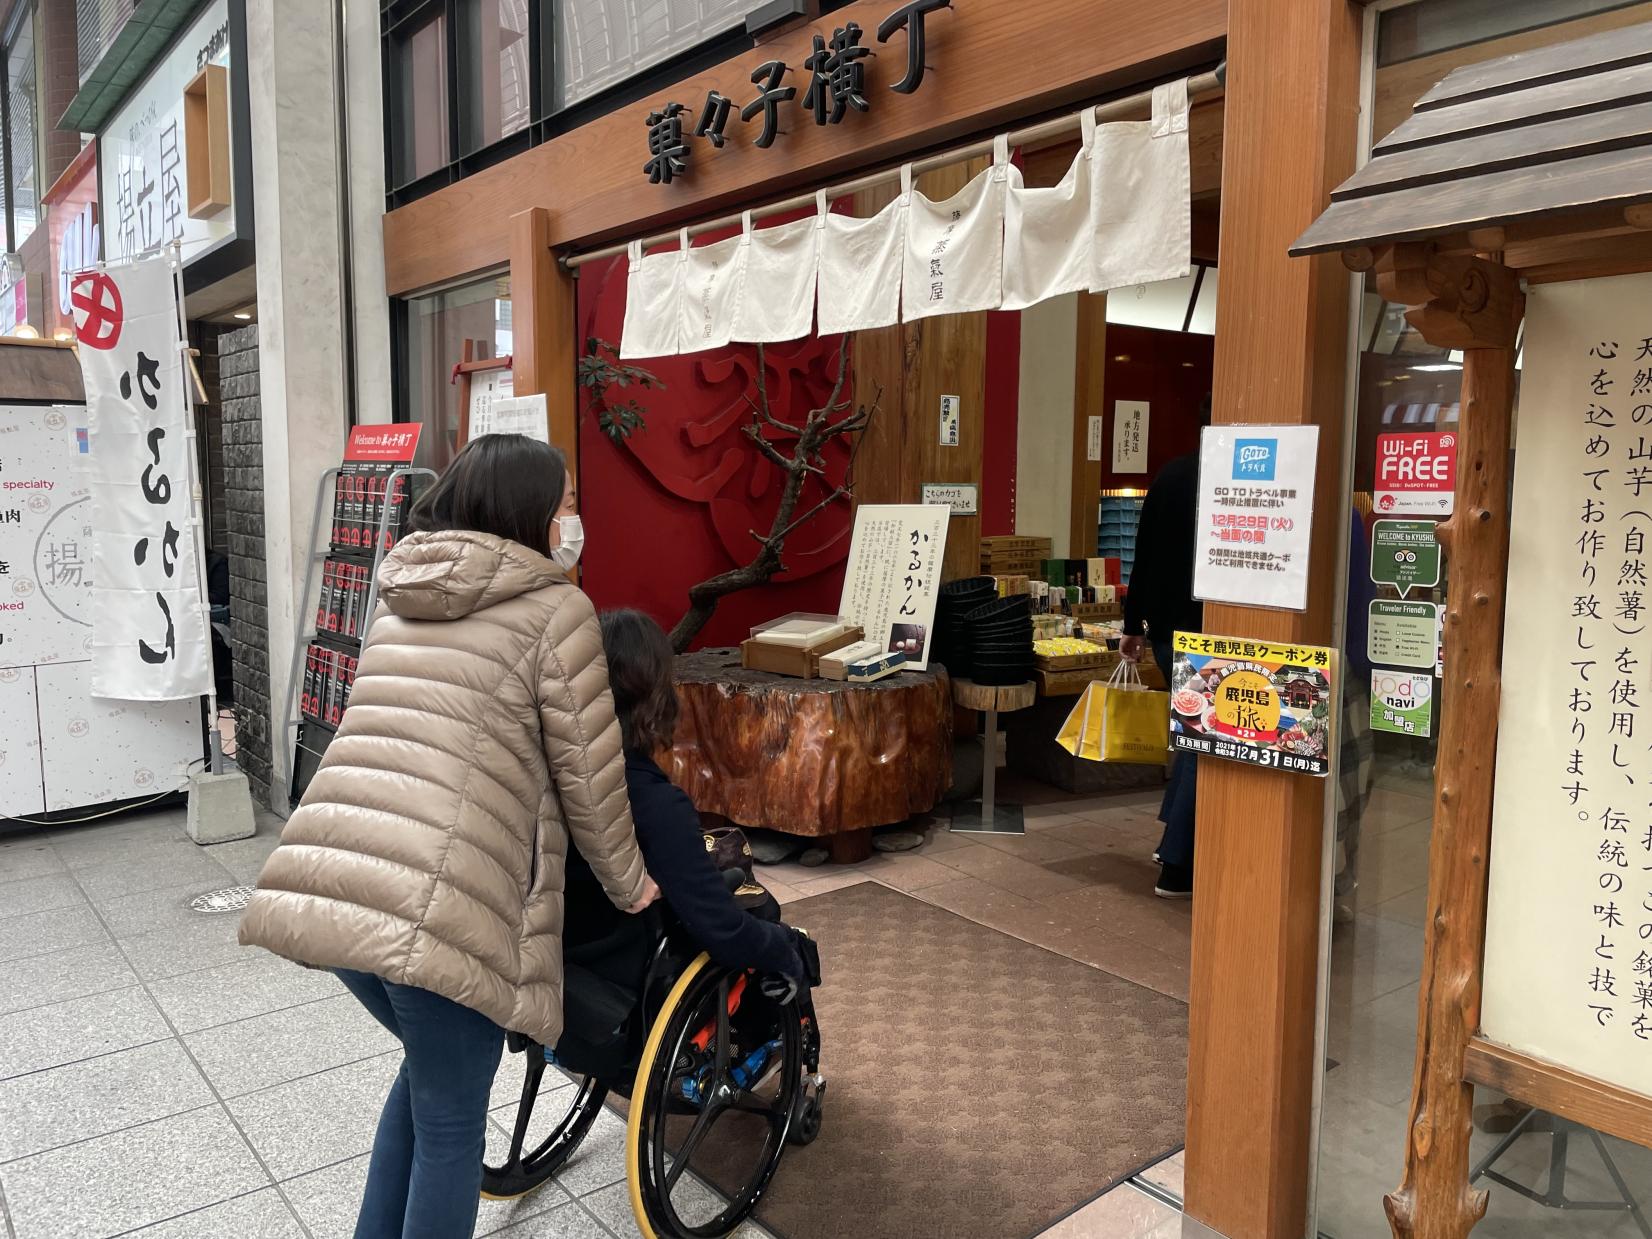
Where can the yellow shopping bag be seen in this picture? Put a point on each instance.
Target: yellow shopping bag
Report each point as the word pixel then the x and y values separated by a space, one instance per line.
pixel 1119 721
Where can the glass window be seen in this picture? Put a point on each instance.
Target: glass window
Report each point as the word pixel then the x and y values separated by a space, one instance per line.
pixel 23 177
pixel 419 113
pixel 493 52
pixel 602 42
pixel 439 329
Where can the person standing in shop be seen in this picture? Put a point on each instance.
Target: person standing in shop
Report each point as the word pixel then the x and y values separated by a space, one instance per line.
pixel 1159 604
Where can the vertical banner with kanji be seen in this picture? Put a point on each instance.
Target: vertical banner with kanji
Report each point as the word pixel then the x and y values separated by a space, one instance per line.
pixel 894 575
pixel 149 633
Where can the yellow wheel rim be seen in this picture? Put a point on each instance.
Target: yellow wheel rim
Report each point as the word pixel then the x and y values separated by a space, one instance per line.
pixel 633 1124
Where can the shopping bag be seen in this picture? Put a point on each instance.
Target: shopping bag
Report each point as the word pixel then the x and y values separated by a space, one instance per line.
pixel 1119 721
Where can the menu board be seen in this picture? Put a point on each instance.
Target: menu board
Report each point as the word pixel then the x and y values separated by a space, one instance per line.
pixel 894 576
pixel 1250 701
pixel 1568 962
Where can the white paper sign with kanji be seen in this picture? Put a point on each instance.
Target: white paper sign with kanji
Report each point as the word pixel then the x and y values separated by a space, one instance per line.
pixel 1256 497
pixel 149 633
pixel 894 576
pixel 1129 436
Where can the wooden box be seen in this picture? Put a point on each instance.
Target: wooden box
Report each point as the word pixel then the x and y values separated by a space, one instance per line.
pixel 800 661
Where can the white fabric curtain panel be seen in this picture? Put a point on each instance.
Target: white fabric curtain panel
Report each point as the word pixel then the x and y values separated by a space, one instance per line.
pixel 1141 221
pixel 776 301
pixel 1049 247
pixel 955 249
pixel 860 269
pixel 652 317
pixel 710 292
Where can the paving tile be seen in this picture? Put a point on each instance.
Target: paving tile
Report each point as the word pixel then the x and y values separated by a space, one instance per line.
pixel 1036 846
pixel 40 933
pixel 599 1161
pixel 567 1221
pixel 151 911
pixel 1169 1174
pixel 131 1178
pixel 47 1109
pixel 1125 957
pixel 253 985
pixel 978 900
pixel 27 855
pixel 834 879
pixel 245 857
pixel 507 1087
pixel 782 893
pixel 41 980
pixel 904 871
pixel 258 1215
pixel 317 1120
pixel 79 1028
pixel 178 864
pixel 1009 873
pixel 87 847
pixel 41 894
pixel 941 839
pixel 272 1049
pixel 328 1200
pixel 1123 1213
pixel 206 942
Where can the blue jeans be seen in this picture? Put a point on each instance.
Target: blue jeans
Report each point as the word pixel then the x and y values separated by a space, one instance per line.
pixel 1177 809
pixel 425 1177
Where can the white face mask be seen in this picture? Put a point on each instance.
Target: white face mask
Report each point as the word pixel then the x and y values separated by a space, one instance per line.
pixel 571 541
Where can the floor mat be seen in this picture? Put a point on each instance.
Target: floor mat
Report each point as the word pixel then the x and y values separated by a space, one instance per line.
pixel 979 1087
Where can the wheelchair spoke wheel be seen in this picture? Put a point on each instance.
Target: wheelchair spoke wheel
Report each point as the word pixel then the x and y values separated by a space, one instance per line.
pixel 548 1127
pixel 713 1103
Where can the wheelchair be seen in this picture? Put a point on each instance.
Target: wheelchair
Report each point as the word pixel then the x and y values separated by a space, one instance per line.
pixel 718 1078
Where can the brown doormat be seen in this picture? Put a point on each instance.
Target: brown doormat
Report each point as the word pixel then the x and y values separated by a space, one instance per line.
pixel 979 1087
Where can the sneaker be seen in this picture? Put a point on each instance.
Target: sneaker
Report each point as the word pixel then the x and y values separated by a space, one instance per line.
pixel 1175 882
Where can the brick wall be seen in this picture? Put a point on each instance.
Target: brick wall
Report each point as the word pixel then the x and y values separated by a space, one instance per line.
pixel 55 39
pixel 243 473
pixel 204 338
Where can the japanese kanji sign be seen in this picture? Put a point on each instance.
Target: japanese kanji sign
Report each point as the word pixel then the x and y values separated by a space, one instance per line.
pixel 149 632
pixel 1416 473
pixel 1250 701
pixel 1130 436
pixel 1256 497
pixel 1568 960
pixel 894 576
pixel 1403 701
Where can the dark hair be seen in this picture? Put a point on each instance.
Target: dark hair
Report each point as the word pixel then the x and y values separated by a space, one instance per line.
pixel 507 485
pixel 640 661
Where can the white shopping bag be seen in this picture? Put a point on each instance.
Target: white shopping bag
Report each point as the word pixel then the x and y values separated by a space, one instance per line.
pixel 955 249
pixel 860 270
pixel 652 316
pixel 1048 241
pixel 709 294
pixel 1141 220
pixel 776 301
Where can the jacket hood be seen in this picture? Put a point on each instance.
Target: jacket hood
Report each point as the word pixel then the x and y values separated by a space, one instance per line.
pixel 455 573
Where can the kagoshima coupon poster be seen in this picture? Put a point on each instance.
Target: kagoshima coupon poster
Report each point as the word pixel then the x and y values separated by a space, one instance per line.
pixel 1250 701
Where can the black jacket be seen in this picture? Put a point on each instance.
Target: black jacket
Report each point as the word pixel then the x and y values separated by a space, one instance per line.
pixel 1161 582
pixel 673 847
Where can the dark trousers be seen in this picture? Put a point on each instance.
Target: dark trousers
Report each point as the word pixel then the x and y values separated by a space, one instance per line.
pixel 425 1177
pixel 1177 809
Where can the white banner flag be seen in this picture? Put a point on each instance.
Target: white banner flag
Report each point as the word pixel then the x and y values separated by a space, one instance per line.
pixel 149 632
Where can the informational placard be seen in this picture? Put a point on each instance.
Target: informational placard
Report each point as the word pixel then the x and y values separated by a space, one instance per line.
pixel 1129 436
pixel 1256 506
pixel 962 497
pixel 1402 702
pixel 951 419
pixel 149 632
pixel 1249 701
pixel 1568 961
pixel 394 443
pixel 511 415
pixel 1403 634
pixel 1405 554
pixel 894 576
pixel 59 748
pixel 486 386
pixel 1416 473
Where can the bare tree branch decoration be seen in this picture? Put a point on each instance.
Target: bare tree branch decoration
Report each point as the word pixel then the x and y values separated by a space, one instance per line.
pixel 805 460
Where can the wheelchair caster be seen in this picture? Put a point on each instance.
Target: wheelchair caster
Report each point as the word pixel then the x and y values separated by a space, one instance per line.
pixel 806 1126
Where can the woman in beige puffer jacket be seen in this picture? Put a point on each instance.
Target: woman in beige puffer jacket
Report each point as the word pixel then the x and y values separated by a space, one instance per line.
pixel 425 865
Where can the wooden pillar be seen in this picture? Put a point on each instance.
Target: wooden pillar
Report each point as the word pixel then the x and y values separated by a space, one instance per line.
pixel 1281 357
pixel 543 327
pixel 1089 400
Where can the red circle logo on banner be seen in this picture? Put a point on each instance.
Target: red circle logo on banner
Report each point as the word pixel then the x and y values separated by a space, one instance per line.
pixel 98 310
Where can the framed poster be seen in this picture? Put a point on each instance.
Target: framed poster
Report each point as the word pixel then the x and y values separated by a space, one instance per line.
pixel 1249 701
pixel 894 576
pixel 1256 509
pixel 1129 436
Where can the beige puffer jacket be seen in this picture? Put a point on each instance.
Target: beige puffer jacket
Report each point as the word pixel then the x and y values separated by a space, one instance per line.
pixel 429 847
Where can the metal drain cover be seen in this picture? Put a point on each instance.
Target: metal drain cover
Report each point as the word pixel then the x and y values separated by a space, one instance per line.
pixel 230 899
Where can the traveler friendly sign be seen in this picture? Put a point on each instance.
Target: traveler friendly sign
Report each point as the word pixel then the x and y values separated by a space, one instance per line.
pixel 1405 554
pixel 1268 705
pixel 1256 496
pixel 1402 702
pixel 1416 473
pixel 1403 634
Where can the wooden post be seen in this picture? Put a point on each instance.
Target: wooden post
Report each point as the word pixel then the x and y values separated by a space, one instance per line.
pixel 1281 357
pixel 1476 306
pixel 544 328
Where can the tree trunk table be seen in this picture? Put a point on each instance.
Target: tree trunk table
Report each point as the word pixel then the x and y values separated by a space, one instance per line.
pixel 811 757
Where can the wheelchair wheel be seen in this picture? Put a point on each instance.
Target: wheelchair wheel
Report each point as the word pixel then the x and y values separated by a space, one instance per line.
pixel 715 1094
pixel 539 1150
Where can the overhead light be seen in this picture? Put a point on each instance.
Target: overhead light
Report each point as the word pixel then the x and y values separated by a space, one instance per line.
pixel 242 315
pixel 63 334
pixel 1121 356
pixel 26 331
pixel 1187 365
pixel 1438 366
pixel 1402 376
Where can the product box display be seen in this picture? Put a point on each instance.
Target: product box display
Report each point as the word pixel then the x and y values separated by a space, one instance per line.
pixel 783 657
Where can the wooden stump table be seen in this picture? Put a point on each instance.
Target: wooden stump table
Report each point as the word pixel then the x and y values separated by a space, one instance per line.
pixel 988 817
pixel 811 757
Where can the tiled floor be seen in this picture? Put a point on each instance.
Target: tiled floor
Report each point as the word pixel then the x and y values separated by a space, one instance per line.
pixel 157 1080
